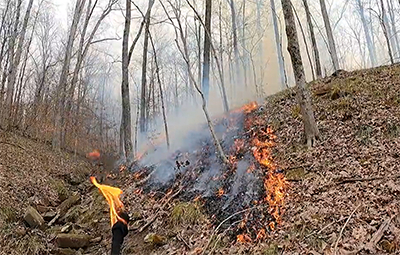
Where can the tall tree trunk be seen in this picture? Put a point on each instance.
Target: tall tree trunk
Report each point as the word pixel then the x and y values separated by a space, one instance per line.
pixel 235 38
pixel 329 33
pixel 302 93
pixel 385 28
pixel 161 92
pixel 126 104
pixel 62 83
pixel 143 103
pixel 206 56
pixel 394 27
pixel 371 48
pixel 278 45
pixel 317 61
pixel 11 66
pixel 305 43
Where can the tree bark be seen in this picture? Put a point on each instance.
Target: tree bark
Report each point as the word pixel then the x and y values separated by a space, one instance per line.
pixel 235 38
pixel 317 61
pixel 329 33
pixel 302 93
pixel 206 56
pixel 126 106
pixel 394 27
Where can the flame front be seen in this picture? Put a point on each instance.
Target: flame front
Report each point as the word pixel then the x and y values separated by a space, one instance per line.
pixel 112 195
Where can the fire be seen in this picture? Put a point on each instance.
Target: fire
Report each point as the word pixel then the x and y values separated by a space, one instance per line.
pixel 112 195
pixel 243 238
pixel 94 155
pixel 220 192
pixel 275 183
pixel 250 107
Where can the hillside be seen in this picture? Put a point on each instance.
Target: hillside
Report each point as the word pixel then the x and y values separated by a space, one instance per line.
pixel 342 194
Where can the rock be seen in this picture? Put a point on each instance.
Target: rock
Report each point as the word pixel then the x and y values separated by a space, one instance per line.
pixel 33 218
pixel 96 240
pixel 66 228
pixel 63 251
pixel 48 216
pixel 154 239
pixel 72 240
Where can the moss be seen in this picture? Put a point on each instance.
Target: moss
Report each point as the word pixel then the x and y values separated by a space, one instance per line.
pixel 297 174
pixel 392 130
pixel 296 112
pixel 364 134
pixel 61 189
pixel 9 214
pixel 186 213
pixel 272 249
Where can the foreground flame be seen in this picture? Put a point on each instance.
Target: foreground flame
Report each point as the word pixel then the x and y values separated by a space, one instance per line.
pixel 112 196
pixel 94 155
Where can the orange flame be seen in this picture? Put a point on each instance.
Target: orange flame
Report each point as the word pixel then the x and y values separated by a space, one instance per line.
pixel 112 196
pixel 243 238
pixel 94 155
pixel 250 107
pixel 275 183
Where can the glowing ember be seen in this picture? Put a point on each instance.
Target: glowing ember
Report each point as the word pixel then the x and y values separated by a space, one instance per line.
pixel 220 192
pixel 112 196
pixel 94 155
pixel 243 239
pixel 138 191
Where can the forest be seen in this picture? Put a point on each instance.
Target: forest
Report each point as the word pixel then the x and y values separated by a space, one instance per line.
pixel 199 127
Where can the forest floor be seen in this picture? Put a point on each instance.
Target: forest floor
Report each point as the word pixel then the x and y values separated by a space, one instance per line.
pixel 342 196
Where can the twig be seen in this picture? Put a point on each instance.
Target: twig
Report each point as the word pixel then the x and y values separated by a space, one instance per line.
pixel 322 229
pixel 230 217
pixel 349 180
pixel 344 226
pixel 378 235
pixel 180 238
pixel 13 144
pixel 158 211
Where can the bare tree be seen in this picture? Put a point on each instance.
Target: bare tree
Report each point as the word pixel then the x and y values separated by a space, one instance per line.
pixel 62 84
pixel 126 106
pixel 317 61
pixel 185 54
pixel 143 108
pixel 207 46
pixel 329 33
pixel 16 57
pixel 302 93
pixel 371 48
pixel 278 45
